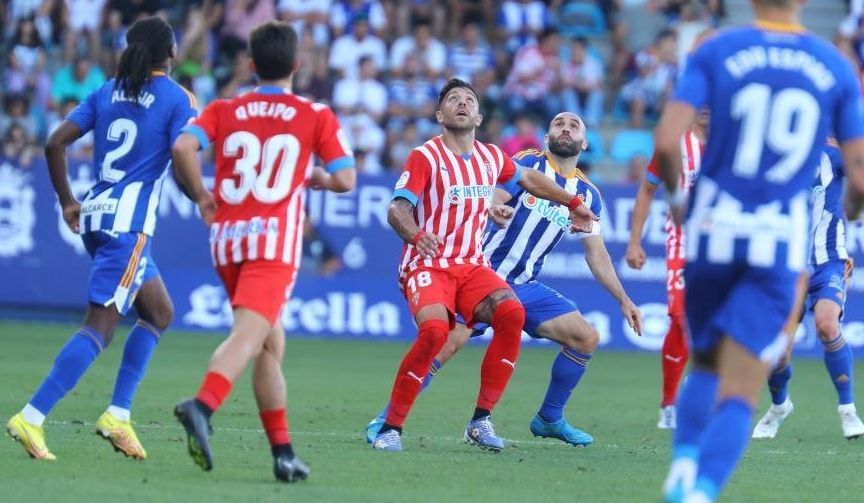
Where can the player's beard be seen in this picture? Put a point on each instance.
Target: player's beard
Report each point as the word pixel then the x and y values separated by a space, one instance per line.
pixel 565 150
pixel 453 127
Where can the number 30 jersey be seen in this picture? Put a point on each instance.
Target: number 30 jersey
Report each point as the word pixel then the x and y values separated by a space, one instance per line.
pixel 264 143
pixel 132 151
pixel 775 92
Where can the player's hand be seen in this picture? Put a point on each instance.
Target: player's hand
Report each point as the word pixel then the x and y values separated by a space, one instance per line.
pixel 72 216
pixel 429 245
pixel 207 207
pixel 501 214
pixel 635 256
pixel 633 316
pixel 582 219
pixel 319 178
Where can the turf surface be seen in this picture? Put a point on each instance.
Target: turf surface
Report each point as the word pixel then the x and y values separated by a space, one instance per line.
pixel 335 386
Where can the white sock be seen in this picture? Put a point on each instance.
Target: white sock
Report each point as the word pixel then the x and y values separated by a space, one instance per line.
pixel 846 407
pixel 32 415
pixel 119 413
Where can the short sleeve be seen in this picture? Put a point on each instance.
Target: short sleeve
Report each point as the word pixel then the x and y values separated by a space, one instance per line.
pixel 692 87
pixel 849 115
pixel 512 186
pixel 84 115
pixel 652 172
pixel 204 127
pixel 184 112
pixel 414 180
pixel 331 143
pixel 511 173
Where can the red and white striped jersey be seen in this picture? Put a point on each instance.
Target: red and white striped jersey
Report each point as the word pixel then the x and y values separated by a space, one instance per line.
pixel 451 194
pixel 691 153
pixel 264 144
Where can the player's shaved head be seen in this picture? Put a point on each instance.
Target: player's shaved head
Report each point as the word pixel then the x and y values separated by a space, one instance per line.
pixel 273 46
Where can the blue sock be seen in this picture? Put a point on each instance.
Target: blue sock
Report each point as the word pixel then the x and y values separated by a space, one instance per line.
pixel 71 363
pixel 778 383
pixel 839 362
pixel 695 401
pixel 567 370
pixel 139 348
pixel 433 371
pixel 723 444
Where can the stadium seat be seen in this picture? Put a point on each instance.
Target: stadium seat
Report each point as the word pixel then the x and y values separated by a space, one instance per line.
pixel 631 142
pixel 581 19
pixel 596 148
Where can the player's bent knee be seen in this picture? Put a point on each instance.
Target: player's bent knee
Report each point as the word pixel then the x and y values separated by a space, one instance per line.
pixel 432 335
pixel 161 318
pixel 508 313
pixel 827 327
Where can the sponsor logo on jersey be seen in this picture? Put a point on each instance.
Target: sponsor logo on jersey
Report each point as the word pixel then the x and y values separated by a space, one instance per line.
pixel 403 180
pixel 17 214
pixel 460 192
pixel 556 214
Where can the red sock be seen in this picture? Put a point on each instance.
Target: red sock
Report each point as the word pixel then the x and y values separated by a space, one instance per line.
pixel 275 426
pixel 500 359
pixel 415 365
pixel 674 359
pixel 214 390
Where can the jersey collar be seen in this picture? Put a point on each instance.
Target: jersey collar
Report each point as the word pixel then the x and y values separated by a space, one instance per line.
pixel 576 173
pixel 781 27
pixel 158 73
pixel 271 90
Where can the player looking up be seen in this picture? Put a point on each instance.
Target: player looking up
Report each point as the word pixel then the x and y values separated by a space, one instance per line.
pixel 826 299
pixel 674 352
pixel 264 142
pixel 135 118
pixel 517 251
pixel 774 93
pixel 440 209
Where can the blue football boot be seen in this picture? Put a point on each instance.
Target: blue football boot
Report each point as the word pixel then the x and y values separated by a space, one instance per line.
pixel 372 428
pixel 561 430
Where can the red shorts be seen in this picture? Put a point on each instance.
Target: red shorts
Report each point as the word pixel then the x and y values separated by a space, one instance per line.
pixel 675 286
pixel 459 287
pixel 259 285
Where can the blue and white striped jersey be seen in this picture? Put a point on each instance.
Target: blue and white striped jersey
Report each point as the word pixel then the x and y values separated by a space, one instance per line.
pixel 517 252
pixel 828 225
pixel 132 148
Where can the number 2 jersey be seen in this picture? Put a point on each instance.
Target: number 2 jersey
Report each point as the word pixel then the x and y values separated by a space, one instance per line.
pixel 775 92
pixel 132 151
pixel 265 142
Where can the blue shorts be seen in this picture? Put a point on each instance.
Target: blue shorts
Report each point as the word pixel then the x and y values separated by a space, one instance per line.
pixel 828 281
pixel 120 266
pixel 748 304
pixel 541 304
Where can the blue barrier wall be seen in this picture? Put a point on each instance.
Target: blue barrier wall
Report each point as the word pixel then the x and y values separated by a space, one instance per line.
pixel 44 265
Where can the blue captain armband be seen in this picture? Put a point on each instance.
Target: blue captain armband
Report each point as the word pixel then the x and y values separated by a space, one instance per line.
pixel 405 194
pixel 197 132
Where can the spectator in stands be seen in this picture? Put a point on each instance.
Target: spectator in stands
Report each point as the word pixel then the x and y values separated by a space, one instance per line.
pixel 363 94
pixel 241 17
pixel 471 56
pixel 16 112
pixel 196 54
pixel 367 139
pixel 402 142
pixel 520 22
pixel 534 83
pixel 345 13
pixel 432 53
pixel 346 51
pixel 480 12
pixel 636 25
pixel 77 80
pixel 419 9
pixel 18 146
pixel 308 15
pixel 37 10
pixel 656 77
pixel 525 135
pixel 695 19
pixel 25 70
pixel 130 10
pixel 82 27
pixel 413 98
pixel 583 83
pixel 241 79
pixel 313 81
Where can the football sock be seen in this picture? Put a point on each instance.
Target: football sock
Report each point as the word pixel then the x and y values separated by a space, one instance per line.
pixel 503 352
pixel 433 371
pixel 431 337
pixel 839 362
pixel 71 363
pixel 214 390
pixel 480 413
pixel 120 413
pixel 674 359
pixel 778 383
pixel 695 402
pixel 567 370
pixel 723 444
pixel 137 352
pixel 275 425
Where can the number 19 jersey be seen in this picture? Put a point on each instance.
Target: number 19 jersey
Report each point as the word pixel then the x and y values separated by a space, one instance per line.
pixel 264 142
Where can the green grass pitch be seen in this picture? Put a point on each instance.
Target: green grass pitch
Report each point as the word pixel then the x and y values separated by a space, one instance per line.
pixel 334 387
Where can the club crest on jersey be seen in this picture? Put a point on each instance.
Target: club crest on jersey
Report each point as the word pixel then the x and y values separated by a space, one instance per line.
pixel 463 192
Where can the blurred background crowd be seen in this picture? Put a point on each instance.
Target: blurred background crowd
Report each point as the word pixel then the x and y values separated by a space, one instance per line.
pixel 379 64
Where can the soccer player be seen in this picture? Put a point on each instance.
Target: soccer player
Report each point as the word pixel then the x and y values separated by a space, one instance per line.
pixel 774 93
pixel 517 253
pixel 674 352
pixel 439 209
pixel 826 299
pixel 134 117
pixel 264 142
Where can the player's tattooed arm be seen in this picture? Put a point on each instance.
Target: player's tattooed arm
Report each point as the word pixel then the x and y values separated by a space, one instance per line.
pixel 600 263
pixel 400 216
pixel 853 162
pixel 55 153
pixel 486 308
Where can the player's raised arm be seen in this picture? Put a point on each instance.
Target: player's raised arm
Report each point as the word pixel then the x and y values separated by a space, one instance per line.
pixel 635 254
pixel 55 153
pixel 538 185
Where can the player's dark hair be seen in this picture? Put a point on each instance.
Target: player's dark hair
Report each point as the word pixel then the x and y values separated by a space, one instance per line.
pixel 150 42
pixel 453 84
pixel 273 46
